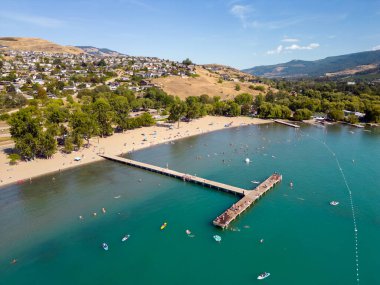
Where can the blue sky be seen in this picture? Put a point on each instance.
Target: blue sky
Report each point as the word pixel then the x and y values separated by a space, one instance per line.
pixel 241 34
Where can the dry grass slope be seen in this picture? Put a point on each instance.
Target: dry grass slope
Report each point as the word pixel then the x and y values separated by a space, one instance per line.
pixel 36 44
pixel 353 71
pixel 206 83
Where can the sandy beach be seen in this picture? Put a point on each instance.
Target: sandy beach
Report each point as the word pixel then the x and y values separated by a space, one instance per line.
pixel 117 144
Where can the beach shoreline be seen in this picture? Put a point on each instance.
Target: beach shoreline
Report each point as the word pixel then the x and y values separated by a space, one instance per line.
pixel 117 144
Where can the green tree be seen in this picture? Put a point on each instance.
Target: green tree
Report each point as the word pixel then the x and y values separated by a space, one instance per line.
pixel 70 99
pixel 13 100
pixel 55 113
pixel 259 100
pixel 101 63
pixel 24 122
pixel 27 146
pixel 46 145
pixel 83 126
pixel 121 107
pixel 177 110
pixel 335 115
pixel 352 119
pixel 103 115
pixel 234 109
pixel 41 93
pixel 246 109
pixel 68 145
pixel 193 108
pixel 220 108
pixel 373 113
pixel 205 99
pixel 146 120
pixel 187 62
pixel 244 98
pixel 302 114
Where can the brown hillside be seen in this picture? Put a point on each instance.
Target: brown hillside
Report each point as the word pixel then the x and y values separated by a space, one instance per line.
pixel 36 44
pixel 353 71
pixel 206 83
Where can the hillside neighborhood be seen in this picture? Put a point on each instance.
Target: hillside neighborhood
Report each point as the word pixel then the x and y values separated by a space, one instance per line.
pixel 63 74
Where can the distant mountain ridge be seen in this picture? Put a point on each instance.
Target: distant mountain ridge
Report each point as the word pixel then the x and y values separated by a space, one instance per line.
pixel 367 62
pixel 99 51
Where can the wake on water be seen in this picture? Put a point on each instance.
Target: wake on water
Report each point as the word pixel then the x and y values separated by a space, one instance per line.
pixel 351 203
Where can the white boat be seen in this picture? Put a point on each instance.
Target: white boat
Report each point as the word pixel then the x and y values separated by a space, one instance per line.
pixel 255 182
pixel 334 203
pixel 105 246
pixel 125 237
pixel 188 232
pixel 217 238
pixel 263 275
pixel 247 160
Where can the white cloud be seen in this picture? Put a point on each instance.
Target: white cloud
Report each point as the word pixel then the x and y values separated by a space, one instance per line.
pixel 278 50
pixel 241 12
pixel 281 48
pixel 290 40
pixel 376 47
pixel 34 20
pixel 249 19
pixel 298 47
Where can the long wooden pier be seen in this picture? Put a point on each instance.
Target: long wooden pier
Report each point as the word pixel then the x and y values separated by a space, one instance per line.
pixel 179 175
pixel 287 124
pixel 249 196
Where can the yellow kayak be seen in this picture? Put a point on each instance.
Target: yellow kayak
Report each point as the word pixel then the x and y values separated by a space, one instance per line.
pixel 164 225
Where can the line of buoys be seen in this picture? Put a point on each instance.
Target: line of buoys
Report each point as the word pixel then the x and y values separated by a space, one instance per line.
pixel 351 203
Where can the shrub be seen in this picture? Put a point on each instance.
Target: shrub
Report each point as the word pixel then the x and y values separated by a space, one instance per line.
pixel 14 158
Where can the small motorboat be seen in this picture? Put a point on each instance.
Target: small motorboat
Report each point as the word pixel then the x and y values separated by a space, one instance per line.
pixel 255 182
pixel 263 275
pixel 105 246
pixel 334 203
pixel 247 160
pixel 188 232
pixel 125 237
pixel 164 225
pixel 217 238
pixel 291 184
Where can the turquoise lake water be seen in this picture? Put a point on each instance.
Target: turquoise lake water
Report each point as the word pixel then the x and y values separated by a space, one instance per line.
pixel 306 241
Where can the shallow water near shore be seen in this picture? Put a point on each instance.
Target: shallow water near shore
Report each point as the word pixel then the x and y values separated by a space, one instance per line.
pixel 306 241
